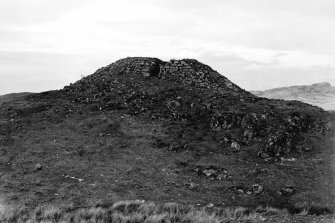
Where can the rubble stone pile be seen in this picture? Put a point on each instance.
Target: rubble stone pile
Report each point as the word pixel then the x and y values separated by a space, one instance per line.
pixel 188 91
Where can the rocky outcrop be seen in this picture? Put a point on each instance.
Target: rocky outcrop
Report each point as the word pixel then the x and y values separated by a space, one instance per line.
pixel 188 91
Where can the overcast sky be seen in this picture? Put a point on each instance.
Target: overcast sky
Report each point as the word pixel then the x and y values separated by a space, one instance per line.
pixel 258 44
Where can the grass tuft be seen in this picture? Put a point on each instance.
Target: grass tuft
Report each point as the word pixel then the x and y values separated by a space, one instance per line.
pixel 149 212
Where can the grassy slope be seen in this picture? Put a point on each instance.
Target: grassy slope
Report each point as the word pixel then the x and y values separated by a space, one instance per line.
pixel 106 156
pixel 13 96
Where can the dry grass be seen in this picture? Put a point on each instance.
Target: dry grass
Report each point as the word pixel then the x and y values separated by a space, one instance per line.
pixel 139 211
pixel 311 208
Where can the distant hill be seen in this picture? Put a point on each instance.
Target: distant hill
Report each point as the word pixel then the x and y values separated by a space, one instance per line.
pixel 320 94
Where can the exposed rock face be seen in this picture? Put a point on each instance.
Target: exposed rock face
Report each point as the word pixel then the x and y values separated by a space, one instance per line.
pixel 320 94
pixel 188 91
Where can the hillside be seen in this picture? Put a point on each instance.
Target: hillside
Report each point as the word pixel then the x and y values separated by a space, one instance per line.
pixel 13 96
pixel 177 131
pixel 320 94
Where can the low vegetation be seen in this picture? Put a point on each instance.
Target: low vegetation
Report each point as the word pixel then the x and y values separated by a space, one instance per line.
pixel 139 211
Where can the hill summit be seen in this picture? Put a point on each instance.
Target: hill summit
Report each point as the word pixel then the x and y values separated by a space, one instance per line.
pixel 191 92
pixel 142 70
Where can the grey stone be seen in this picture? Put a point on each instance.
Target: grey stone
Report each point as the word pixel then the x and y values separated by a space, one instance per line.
pixel 256 188
pixel 235 146
pixel 38 167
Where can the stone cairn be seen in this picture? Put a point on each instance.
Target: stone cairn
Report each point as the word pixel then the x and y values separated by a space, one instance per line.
pixel 136 84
